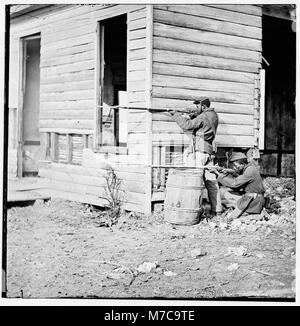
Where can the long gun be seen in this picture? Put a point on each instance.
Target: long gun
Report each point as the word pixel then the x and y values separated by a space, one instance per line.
pixel 115 107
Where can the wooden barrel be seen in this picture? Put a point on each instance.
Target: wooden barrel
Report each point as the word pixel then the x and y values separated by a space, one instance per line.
pixel 183 196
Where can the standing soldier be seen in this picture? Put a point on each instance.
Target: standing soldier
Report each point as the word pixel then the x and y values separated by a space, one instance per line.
pixel 203 123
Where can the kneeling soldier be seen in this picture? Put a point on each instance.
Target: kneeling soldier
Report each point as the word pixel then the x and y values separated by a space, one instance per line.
pixel 248 190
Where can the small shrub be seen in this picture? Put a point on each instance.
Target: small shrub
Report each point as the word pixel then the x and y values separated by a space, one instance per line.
pixel 114 197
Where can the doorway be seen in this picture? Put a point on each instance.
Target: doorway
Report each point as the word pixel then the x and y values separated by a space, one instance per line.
pixel 279 53
pixel 29 120
pixel 113 80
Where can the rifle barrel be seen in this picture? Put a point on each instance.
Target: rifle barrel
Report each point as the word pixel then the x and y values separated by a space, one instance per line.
pixel 114 107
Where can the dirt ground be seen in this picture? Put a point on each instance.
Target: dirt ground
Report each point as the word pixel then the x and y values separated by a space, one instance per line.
pixel 57 249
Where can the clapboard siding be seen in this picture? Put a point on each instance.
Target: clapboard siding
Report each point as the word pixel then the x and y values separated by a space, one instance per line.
pixel 200 36
pixel 185 46
pixel 219 13
pixel 170 69
pixel 207 51
pixel 68 96
pixel 205 61
pixel 205 24
pixel 247 9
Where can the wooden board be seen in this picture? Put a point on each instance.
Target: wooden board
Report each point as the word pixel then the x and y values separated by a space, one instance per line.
pixel 68 95
pixel 169 69
pixel 66 114
pixel 67 59
pixel 83 75
pixel 189 20
pixel 187 94
pixel 183 33
pixel 216 13
pixel 202 84
pixel 203 61
pixel 219 106
pixel 67 86
pixel 185 46
pixel 67 124
pixel 92 199
pixel 247 9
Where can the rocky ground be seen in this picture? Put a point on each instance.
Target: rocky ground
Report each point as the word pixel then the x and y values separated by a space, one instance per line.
pixel 60 249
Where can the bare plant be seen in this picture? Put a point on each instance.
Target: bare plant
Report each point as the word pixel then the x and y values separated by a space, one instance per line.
pixel 114 197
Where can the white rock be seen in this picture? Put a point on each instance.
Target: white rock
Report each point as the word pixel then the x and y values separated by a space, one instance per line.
pixel 233 267
pixel 198 252
pixel 260 256
pixel 236 223
pixel 223 226
pixel 239 251
pixel 169 273
pixel 147 267
pixel 212 225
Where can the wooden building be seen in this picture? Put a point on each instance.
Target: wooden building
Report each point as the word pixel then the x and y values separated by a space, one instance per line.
pixel 69 64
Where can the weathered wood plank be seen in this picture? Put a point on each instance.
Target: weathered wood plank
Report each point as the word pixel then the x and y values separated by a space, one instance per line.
pixel 194 35
pixel 67 86
pixel 136 76
pixel 67 124
pixel 134 186
pixel 223 128
pixel 135 86
pixel 137 44
pixel 215 13
pixel 207 24
pixel 247 9
pixel 219 106
pixel 202 84
pixel 202 73
pixel 70 131
pixel 204 61
pixel 92 199
pixel 97 161
pixel 186 94
pixel 137 14
pixel 65 96
pixel 73 41
pixel 66 114
pixel 136 96
pixel 137 34
pixel 136 54
pixel 184 46
pixel 136 65
pixel 136 24
pixel 57 53
pixel 132 197
pixel 165 139
pixel 54 36
pixel 67 68
pixel 68 77
pixel 224 118
pixel 72 58
pixel 68 105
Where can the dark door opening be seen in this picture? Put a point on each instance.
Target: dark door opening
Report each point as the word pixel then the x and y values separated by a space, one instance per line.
pixel 279 50
pixel 31 106
pixel 113 64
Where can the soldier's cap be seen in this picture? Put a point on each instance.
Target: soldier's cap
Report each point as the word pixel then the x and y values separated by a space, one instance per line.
pixel 237 156
pixel 202 99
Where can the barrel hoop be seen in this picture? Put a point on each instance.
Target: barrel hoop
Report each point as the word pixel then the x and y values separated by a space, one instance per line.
pixel 181 209
pixel 184 188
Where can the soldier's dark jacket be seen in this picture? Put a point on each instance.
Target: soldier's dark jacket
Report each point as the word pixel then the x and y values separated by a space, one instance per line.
pixel 251 183
pixel 203 128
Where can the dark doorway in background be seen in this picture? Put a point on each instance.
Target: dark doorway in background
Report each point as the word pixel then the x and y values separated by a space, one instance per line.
pixel 29 120
pixel 279 50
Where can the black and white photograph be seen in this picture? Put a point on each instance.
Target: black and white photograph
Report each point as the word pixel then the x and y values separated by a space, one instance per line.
pixel 149 151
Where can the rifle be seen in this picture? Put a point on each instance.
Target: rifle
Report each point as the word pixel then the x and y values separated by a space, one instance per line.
pixel 182 110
